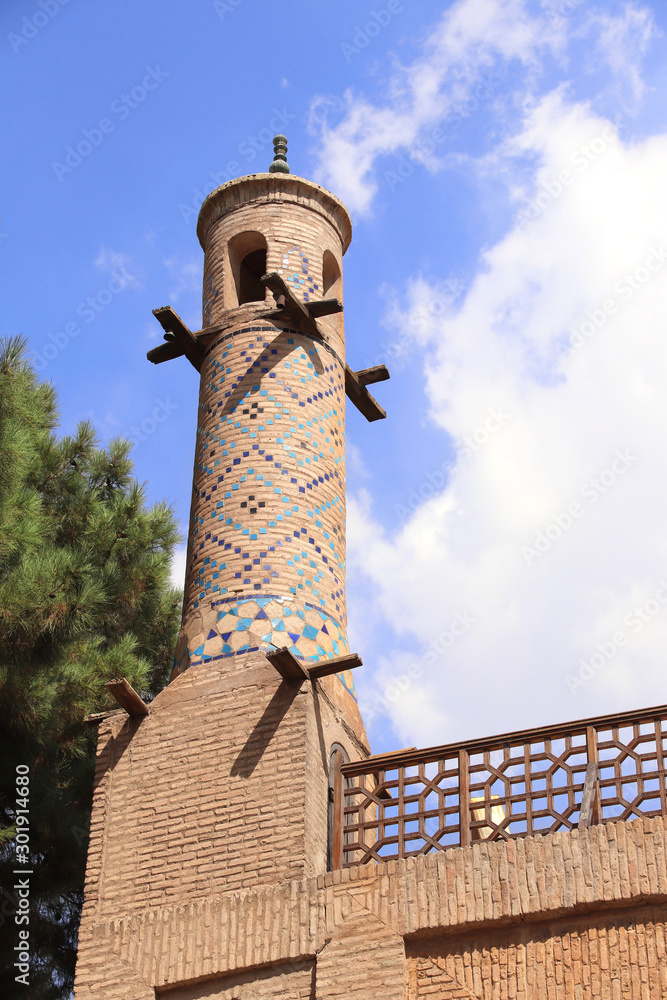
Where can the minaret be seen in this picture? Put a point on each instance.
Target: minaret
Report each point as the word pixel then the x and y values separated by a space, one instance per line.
pixel 266 547
pixel 223 783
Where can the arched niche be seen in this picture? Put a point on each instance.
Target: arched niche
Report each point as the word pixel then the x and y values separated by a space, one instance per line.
pixel 332 284
pixel 247 260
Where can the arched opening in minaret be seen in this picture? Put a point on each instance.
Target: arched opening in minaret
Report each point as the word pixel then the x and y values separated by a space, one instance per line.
pixel 332 286
pixel 247 258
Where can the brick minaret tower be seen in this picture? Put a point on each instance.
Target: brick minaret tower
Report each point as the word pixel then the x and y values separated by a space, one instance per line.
pixel 221 785
pixel 244 846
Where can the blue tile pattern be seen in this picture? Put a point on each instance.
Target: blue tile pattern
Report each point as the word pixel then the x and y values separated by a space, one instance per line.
pixel 269 622
pixel 295 271
pixel 268 508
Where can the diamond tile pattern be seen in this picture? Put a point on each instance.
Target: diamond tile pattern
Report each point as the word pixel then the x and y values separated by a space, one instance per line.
pixel 266 547
pixel 269 622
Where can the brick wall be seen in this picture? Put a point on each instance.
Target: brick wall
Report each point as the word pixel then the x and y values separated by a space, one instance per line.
pixel 570 916
pixel 211 793
pixel 221 788
pixel 288 981
pixel 619 954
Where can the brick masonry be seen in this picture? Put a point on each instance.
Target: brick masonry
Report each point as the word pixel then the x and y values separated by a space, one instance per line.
pixel 570 916
pixel 623 954
pixel 266 549
pixel 206 873
pixel 223 786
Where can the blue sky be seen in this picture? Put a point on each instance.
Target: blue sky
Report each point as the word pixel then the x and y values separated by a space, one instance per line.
pixel 504 165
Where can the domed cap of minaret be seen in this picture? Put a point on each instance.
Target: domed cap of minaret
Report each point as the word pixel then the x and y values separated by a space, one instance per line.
pixel 280 164
pixel 278 184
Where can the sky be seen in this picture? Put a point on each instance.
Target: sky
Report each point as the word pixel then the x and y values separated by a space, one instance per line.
pixel 504 164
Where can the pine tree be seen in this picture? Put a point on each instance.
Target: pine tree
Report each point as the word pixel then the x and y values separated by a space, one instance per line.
pixel 84 598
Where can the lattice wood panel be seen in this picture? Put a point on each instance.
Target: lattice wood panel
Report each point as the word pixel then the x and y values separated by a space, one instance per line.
pixel 516 785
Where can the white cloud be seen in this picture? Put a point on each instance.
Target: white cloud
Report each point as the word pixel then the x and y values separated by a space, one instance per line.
pixel 472 38
pixel 178 563
pixel 471 52
pixel 562 327
pixel 622 40
pixel 109 261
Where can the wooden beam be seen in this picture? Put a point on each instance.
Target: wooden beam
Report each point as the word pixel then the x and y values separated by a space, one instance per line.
pixel 395 753
pixel 519 736
pixel 184 340
pixel 210 331
pixel 127 697
pixel 288 304
pixel 384 793
pixel 96 717
pixel 593 758
pixel 358 394
pixel 164 352
pixel 287 665
pixel 170 350
pixel 335 665
pixel 324 307
pixel 368 376
pixel 589 798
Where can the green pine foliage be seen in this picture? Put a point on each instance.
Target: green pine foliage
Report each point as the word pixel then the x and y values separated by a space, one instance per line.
pixel 84 598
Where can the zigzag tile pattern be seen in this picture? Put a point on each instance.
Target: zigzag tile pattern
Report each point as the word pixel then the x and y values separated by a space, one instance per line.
pixel 270 458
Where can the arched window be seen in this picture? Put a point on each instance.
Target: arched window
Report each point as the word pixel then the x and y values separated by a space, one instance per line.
pixel 332 286
pixel 337 757
pixel 247 258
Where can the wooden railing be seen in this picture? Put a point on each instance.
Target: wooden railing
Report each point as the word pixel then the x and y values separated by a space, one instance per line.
pixel 519 784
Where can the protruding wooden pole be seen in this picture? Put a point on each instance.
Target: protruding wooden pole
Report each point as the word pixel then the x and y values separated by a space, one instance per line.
pixel 127 697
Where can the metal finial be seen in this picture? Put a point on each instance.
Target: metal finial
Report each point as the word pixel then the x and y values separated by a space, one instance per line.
pixel 279 165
